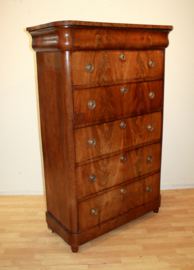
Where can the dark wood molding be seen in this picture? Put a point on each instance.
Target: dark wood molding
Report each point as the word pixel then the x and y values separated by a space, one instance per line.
pixel 79 36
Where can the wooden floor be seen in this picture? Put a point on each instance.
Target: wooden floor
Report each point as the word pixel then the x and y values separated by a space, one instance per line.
pixel 154 241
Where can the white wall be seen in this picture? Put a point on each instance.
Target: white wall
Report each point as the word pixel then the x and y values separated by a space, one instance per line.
pixel 20 155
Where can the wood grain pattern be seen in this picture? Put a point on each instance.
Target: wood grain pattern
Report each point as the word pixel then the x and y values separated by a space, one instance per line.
pixel 111 171
pixel 153 241
pixel 99 24
pixel 56 113
pixel 110 137
pixel 74 38
pixel 52 39
pixel 109 68
pixel 113 203
pixel 76 240
pixel 155 188
pixel 112 104
pixel 126 39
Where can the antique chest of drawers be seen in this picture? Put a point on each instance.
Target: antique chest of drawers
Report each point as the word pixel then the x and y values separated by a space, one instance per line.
pixel 101 89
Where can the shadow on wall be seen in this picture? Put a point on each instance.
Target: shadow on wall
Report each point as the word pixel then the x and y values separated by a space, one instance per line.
pixel 38 109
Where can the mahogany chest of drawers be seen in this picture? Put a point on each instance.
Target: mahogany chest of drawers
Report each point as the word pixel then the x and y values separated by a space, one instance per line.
pixel 101 89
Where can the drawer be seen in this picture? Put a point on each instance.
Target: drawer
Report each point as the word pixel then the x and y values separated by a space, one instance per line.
pixel 105 173
pixel 117 201
pixel 115 102
pixel 98 140
pixel 106 67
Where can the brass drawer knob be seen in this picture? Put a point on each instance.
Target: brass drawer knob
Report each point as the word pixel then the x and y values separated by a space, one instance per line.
pixel 92 178
pixel 123 158
pixel 148 189
pixel 123 191
pixel 91 142
pixel 94 212
pixel 151 95
pixel 122 57
pixel 150 127
pixel 124 90
pixel 89 67
pixel 91 104
pixel 149 159
pixel 123 125
pixel 151 63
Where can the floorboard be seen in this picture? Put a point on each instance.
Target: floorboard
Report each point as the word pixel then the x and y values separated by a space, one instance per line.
pixel 154 241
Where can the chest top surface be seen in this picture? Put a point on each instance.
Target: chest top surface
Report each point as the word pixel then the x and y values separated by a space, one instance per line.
pixel 97 24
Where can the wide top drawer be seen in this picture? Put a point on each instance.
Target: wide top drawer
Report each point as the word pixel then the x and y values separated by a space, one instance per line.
pixel 108 67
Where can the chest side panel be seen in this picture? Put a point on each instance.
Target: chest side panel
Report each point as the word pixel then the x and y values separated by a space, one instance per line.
pixel 56 115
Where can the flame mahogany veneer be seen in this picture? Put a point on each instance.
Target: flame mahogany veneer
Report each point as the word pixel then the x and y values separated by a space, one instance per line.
pixel 101 88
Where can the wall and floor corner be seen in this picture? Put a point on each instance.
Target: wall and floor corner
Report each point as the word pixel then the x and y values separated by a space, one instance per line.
pixel 20 154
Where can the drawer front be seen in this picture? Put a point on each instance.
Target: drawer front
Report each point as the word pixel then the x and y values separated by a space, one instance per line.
pixel 113 102
pixel 104 67
pixel 100 175
pixel 117 201
pixel 98 140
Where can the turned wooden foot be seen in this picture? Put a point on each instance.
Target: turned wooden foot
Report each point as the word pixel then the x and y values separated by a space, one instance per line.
pixel 156 210
pixel 74 249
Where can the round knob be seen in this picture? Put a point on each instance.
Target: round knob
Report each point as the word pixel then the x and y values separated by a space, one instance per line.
pixel 92 178
pixel 123 125
pixel 124 90
pixel 91 142
pixel 148 189
pixel 122 57
pixel 94 212
pixel 91 104
pixel 150 127
pixel 123 191
pixel 151 95
pixel 149 159
pixel 123 158
pixel 151 63
pixel 89 67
